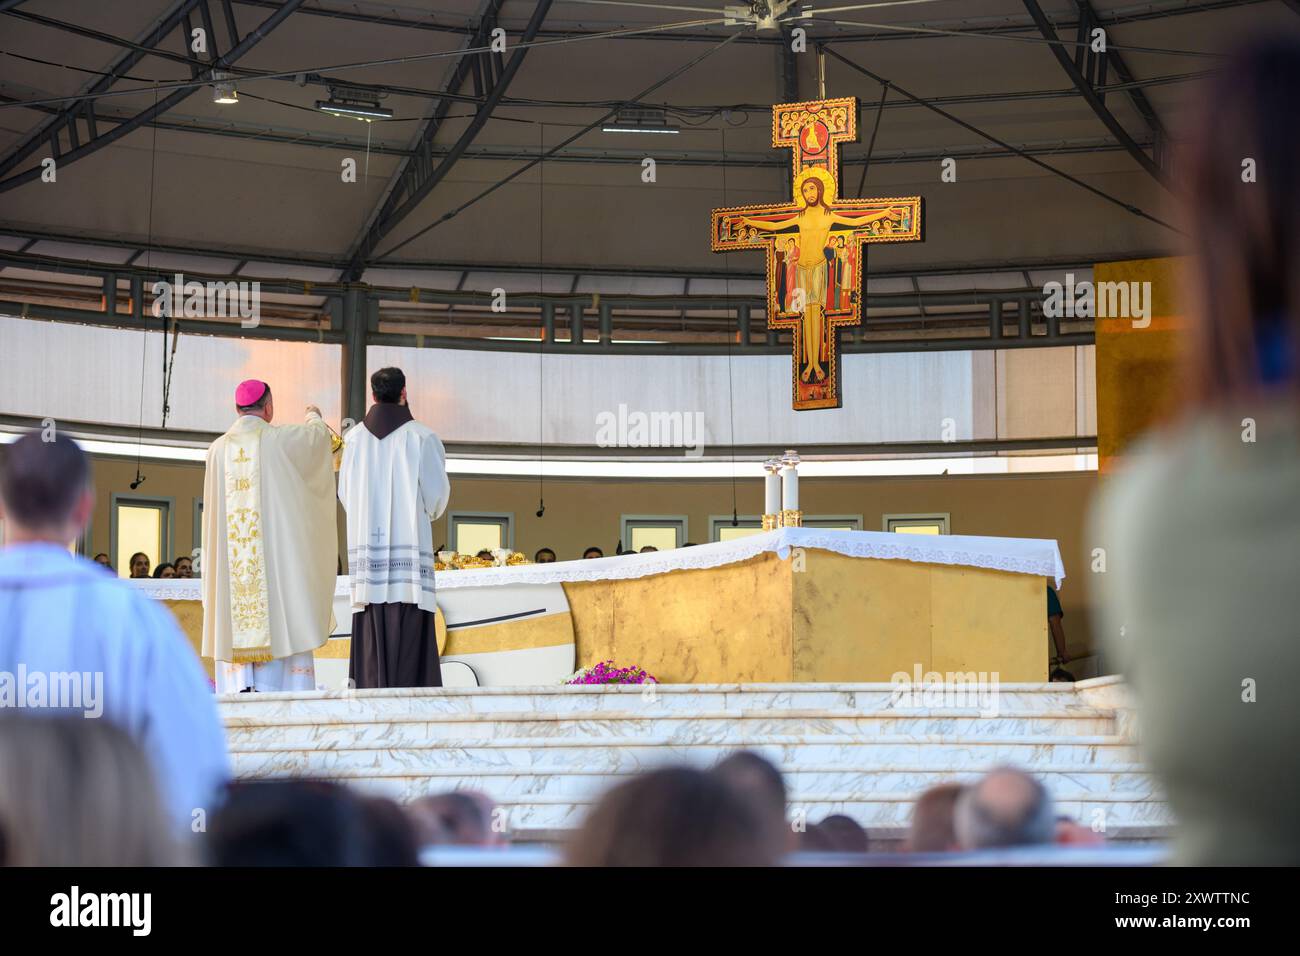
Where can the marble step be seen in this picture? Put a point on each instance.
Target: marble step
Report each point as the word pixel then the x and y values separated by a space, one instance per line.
pixel 394 731
pixel 1010 699
pixel 631 755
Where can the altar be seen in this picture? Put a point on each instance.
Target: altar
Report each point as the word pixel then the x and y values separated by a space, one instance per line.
pixel 789 605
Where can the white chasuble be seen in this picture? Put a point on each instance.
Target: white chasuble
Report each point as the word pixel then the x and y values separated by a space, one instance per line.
pixel 270 541
pixel 392 489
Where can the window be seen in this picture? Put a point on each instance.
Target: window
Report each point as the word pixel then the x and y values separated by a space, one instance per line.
pixel 834 522
pixel 720 528
pixel 475 531
pixel 917 524
pixel 139 524
pixel 663 532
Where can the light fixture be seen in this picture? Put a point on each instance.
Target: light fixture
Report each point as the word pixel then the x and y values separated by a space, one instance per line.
pixel 223 88
pixel 356 103
pixel 640 121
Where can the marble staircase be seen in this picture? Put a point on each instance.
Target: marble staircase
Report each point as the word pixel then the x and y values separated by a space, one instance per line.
pixel 544 753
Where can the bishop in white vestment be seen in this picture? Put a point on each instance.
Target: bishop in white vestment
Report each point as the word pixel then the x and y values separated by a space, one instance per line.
pixel 393 484
pixel 270 547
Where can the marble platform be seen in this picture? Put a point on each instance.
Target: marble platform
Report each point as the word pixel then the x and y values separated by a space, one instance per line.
pixel 546 752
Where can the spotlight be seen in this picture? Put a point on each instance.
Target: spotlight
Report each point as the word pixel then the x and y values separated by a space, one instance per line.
pixel 223 88
pixel 353 109
pixel 640 121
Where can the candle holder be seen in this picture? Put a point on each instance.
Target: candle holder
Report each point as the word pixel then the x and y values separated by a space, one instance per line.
pixel 791 518
pixel 770 522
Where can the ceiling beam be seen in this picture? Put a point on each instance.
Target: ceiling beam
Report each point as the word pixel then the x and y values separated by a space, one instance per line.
pixel 1082 70
pixel 417 176
pixel 49 130
pixel 159 108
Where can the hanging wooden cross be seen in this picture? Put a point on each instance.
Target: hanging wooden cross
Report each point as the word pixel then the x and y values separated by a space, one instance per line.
pixel 814 244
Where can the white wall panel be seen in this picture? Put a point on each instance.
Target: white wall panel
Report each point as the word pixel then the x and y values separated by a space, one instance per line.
pixel 87 374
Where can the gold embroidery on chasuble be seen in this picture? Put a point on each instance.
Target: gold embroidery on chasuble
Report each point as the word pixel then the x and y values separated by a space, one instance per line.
pixel 250 620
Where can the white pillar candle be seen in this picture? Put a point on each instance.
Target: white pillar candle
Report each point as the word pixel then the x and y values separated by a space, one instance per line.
pixel 772 488
pixel 789 488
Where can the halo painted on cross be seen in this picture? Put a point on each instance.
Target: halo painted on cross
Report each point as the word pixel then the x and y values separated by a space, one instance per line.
pixel 827 181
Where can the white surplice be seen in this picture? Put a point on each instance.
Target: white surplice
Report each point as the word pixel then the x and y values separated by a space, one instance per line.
pixel 64 615
pixel 270 549
pixel 392 490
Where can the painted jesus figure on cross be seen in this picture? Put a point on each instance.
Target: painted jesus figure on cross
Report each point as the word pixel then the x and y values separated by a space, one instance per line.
pixel 819 234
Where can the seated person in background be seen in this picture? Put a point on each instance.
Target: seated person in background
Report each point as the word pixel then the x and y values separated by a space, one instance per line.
pixel 164 571
pixel 677 816
pixel 759 782
pixel 932 829
pixel 307 823
pixel 139 565
pixel 648 548
pixel 1070 832
pixel 459 818
pixel 102 559
pixel 846 835
pixel 835 834
pixel 593 552
pixel 77 792
pixel 184 566
pixel 1006 808
pixel 485 554
pixel 544 556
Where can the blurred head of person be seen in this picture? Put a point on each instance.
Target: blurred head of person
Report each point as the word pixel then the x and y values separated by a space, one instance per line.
pixel 45 490
pixel 485 554
pixel 1006 808
pixel 184 566
pixel 307 823
pixel 458 818
pixel 1069 832
pixel 932 829
pixel 164 571
pixel 648 548
pixel 845 834
pixel 79 793
pixel 1243 226
pixel 139 565
pixel 593 552
pixel 544 556
pixel 677 816
pixel 388 386
pixel 102 560
pixel 757 781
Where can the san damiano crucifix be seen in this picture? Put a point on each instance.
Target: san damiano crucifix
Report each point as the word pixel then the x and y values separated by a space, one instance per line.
pixel 814 244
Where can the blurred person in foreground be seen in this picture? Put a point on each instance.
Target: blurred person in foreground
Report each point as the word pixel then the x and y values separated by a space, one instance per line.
pixel 1202 522
pixel 89 643
pixel 308 823
pixel 76 792
pixel 678 816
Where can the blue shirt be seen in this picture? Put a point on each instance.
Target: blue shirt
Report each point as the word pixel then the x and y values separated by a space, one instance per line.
pixel 73 638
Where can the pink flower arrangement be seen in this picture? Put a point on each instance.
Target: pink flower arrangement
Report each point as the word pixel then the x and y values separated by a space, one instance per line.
pixel 606 673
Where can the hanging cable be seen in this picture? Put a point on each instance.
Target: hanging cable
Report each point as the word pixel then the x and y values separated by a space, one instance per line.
pixel 144 333
pixel 541 344
pixel 726 295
